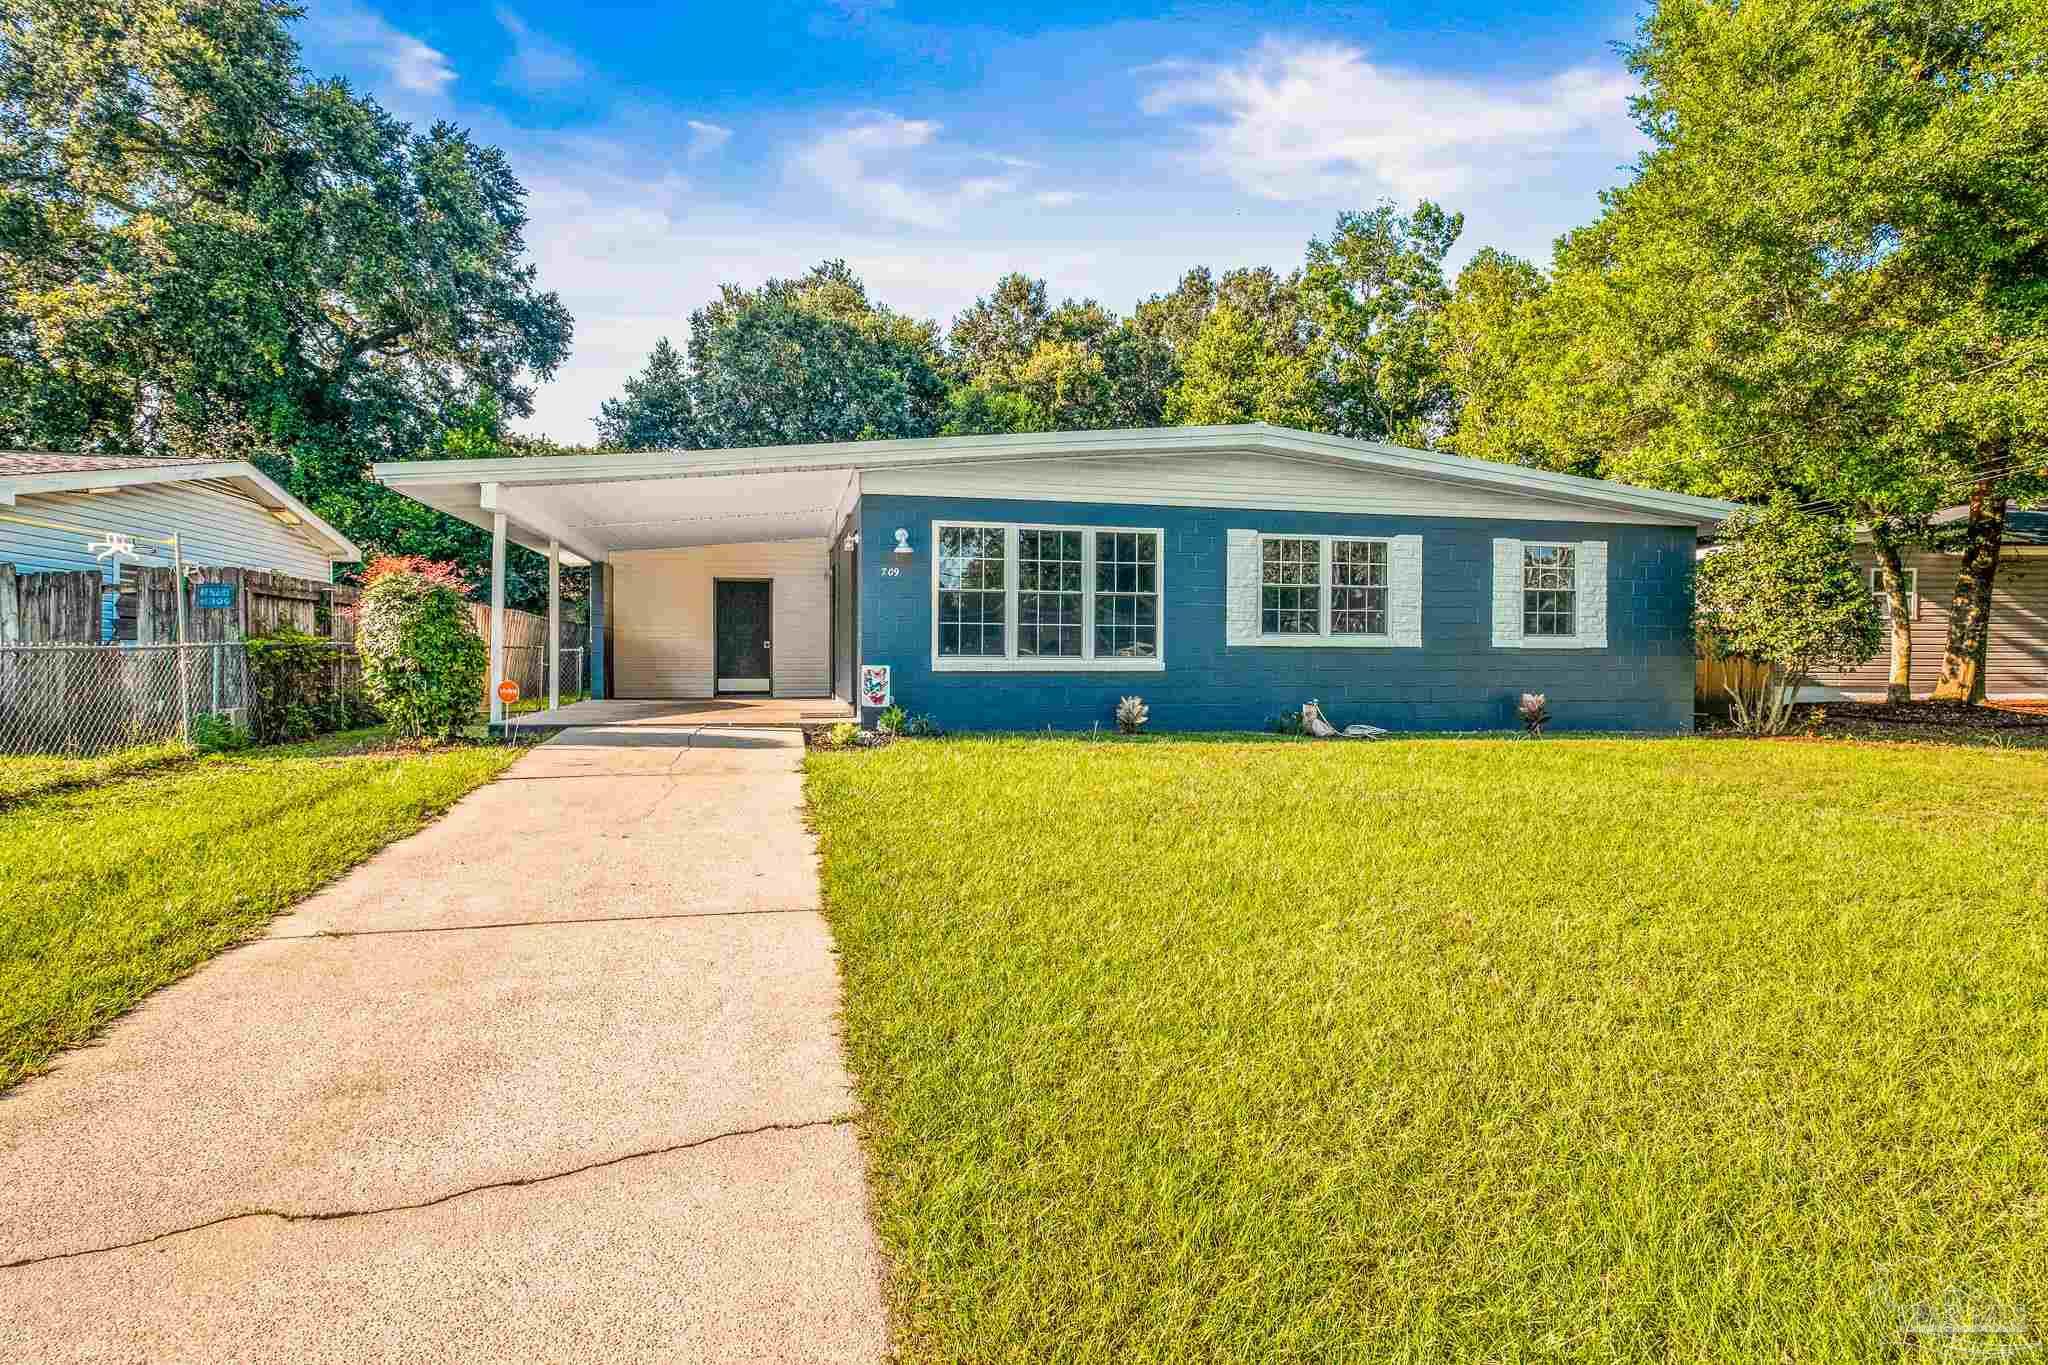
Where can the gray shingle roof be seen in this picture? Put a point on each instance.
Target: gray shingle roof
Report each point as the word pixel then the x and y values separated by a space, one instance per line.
pixel 53 462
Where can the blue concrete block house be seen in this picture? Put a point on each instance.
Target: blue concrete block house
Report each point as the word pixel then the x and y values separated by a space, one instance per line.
pixel 1224 574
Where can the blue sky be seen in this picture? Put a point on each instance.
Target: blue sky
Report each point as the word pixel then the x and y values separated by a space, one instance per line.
pixel 669 149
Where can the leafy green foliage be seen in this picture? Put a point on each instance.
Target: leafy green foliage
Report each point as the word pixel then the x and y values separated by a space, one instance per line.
pixel 424 664
pixel 202 247
pixel 1782 588
pixel 891 721
pixel 213 734
pixel 811 359
pixel 300 686
pixel 654 413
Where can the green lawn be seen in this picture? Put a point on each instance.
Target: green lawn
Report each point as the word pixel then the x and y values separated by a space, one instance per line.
pixel 1443 1050
pixel 112 890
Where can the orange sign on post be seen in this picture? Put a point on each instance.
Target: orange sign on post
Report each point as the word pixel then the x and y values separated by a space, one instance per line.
pixel 508 691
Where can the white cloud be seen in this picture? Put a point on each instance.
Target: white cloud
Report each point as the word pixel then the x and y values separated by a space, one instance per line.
pixel 706 138
pixel 1308 120
pixel 868 165
pixel 367 37
pixel 538 63
pixel 1056 199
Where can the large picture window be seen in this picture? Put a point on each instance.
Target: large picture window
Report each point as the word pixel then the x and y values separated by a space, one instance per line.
pixel 1047 597
pixel 1550 596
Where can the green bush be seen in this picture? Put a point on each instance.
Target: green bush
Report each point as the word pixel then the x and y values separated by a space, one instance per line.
pixel 890 722
pixel 298 687
pixel 423 661
pixel 213 734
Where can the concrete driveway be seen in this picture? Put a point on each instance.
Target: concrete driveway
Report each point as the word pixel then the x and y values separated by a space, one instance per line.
pixel 556 1078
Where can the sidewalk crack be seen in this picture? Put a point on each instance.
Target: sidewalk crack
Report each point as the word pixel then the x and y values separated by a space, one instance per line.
pixel 514 1183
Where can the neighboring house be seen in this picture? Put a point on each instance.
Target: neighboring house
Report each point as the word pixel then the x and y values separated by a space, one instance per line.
pixel 226 514
pixel 2016 657
pixel 1225 574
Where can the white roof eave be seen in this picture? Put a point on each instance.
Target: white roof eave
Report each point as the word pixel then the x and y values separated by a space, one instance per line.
pixel 340 548
pixel 1254 438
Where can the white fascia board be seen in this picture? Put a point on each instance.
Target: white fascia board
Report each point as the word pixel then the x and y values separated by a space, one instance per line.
pixel 340 548
pixel 1254 438
pixel 496 497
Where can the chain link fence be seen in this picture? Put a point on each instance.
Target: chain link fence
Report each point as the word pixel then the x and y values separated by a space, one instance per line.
pixel 83 700
pixel 527 665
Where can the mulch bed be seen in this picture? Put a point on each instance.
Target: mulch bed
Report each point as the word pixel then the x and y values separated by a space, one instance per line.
pixel 1925 715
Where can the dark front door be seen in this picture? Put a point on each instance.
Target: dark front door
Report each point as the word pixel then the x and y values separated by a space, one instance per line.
pixel 744 641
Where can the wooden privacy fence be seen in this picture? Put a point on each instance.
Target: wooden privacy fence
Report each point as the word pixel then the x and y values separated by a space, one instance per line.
pixel 65 608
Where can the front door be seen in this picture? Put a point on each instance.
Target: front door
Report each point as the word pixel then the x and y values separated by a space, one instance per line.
pixel 741 627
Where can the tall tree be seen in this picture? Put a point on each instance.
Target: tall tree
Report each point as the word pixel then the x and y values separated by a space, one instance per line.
pixel 206 250
pixel 1025 365
pixel 811 359
pixel 1843 223
pixel 1371 294
pixel 1235 372
pixel 654 412
pixel 1488 344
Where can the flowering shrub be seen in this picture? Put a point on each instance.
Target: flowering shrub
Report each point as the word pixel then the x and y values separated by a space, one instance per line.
pixel 423 661
pixel 1534 710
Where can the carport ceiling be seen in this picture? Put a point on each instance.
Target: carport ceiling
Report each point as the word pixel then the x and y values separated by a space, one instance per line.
pixel 599 517
pixel 657 514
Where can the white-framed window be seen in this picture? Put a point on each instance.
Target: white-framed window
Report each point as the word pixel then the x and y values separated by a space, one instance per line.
pixel 1883 603
pixel 1290 585
pixel 1550 591
pixel 1035 598
pixel 1329 586
pixel 1359 579
pixel 1317 591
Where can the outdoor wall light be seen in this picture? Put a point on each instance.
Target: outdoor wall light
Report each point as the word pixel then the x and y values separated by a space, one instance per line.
pixel 902 542
pixel 851 542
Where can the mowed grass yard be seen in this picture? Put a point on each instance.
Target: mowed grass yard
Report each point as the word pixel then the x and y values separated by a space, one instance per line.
pixel 1443 1050
pixel 119 876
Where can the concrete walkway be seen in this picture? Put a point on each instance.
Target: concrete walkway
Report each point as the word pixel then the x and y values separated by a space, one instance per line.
pixel 554 1079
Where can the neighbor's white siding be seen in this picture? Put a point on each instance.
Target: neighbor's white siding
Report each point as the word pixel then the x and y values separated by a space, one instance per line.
pixel 216 527
pixel 661 616
pixel 1237 480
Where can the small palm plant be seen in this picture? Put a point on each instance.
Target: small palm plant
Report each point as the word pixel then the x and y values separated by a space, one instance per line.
pixel 1131 715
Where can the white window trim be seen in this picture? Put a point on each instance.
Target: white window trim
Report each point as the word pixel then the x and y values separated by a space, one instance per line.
pixel 1590 565
pixel 1323 638
pixel 1012 662
pixel 1877 593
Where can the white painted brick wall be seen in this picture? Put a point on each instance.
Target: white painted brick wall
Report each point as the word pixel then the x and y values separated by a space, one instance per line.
pixel 1507 594
pixel 1404 591
pixel 1593 594
pixel 1241 588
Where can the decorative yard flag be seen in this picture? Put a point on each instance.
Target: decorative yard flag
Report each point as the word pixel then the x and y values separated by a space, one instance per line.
pixel 874 684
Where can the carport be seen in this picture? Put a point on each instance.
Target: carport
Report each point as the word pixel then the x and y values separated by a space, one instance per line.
pixel 718 577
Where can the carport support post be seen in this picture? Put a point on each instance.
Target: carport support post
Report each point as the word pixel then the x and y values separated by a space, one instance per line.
pixel 554 624
pixel 497 616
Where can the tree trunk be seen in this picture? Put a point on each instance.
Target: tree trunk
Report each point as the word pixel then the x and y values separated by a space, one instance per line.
pixel 1892 573
pixel 1969 609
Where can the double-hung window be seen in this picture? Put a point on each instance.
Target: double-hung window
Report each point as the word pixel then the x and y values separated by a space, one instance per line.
pixel 1331 586
pixel 1046 597
pixel 1550 591
pixel 974 600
